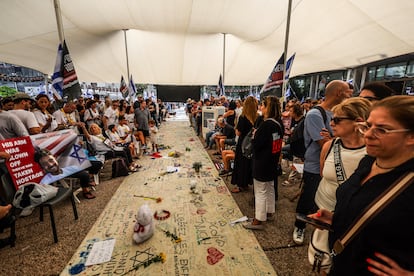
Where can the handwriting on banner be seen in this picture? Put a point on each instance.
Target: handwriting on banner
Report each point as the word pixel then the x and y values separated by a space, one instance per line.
pixel 21 165
pixel 209 232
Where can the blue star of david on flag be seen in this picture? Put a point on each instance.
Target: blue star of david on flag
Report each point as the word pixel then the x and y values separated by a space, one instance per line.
pixel 75 153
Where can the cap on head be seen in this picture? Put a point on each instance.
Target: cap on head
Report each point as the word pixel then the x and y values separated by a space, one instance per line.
pixel 19 96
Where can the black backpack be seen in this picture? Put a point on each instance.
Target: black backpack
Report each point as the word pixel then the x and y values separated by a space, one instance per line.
pixel 297 140
pixel 119 167
pixel 246 146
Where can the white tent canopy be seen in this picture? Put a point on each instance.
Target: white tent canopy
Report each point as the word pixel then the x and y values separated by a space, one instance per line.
pixel 181 41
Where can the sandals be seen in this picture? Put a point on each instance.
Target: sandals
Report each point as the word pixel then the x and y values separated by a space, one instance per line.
pixel 88 195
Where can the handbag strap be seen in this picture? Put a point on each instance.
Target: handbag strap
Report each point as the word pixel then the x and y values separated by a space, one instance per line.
pixel 373 209
pixel 274 120
pixel 339 167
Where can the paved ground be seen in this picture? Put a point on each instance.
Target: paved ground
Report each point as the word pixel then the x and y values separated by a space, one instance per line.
pixel 276 240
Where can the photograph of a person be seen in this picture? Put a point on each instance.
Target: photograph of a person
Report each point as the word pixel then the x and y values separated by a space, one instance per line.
pixel 53 172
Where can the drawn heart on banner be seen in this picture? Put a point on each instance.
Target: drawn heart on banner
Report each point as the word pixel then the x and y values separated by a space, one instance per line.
pixel 214 256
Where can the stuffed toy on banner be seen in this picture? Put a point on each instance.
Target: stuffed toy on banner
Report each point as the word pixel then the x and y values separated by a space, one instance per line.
pixel 144 227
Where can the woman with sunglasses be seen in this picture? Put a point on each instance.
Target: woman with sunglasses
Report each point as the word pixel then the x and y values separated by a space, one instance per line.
pixel 339 159
pixel 384 245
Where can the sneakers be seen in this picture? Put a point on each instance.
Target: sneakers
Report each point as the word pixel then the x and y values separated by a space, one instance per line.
pixel 27 211
pixel 298 235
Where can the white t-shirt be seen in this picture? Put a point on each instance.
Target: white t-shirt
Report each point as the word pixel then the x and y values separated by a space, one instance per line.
pixel 112 116
pixel 90 116
pixel 153 134
pixel 27 118
pixel 123 131
pixel 42 120
pixel 66 118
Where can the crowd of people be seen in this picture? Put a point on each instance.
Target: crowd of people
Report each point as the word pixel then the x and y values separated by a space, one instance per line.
pixel 107 129
pixel 356 147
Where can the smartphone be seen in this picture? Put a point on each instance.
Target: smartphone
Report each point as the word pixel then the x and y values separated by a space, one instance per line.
pixel 314 222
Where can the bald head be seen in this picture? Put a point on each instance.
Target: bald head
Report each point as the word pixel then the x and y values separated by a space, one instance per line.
pixel 336 91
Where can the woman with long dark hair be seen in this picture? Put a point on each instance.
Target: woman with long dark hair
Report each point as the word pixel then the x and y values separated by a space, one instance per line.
pixel 242 171
pixel 267 146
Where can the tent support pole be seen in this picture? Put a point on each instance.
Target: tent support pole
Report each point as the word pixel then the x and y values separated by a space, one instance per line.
pixel 224 60
pixel 58 14
pixel 126 53
pixel 286 47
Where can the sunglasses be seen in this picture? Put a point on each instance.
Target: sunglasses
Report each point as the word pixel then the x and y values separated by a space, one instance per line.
pixel 337 120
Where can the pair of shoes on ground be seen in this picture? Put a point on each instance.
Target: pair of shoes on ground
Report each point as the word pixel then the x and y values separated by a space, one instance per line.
pixel 236 190
pixel 298 235
pixel 88 195
pixel 224 172
pixel 254 225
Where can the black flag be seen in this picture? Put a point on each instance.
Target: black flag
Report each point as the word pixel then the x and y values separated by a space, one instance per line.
pixel 71 86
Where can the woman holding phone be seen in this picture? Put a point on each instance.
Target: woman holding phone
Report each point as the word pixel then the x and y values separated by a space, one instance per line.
pixel 339 159
pixel 379 247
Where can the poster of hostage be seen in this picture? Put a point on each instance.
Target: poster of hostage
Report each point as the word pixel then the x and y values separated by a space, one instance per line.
pixel 61 151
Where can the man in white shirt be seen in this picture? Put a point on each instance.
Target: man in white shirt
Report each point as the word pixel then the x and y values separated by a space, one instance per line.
pixel 66 117
pixel 22 104
pixel 111 115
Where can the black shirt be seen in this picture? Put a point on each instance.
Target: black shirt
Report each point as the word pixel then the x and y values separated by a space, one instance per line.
pixel 390 232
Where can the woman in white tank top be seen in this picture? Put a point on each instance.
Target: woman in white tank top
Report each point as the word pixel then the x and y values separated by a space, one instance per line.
pixel 339 159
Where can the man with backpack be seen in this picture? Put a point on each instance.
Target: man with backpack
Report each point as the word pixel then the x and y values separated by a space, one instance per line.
pixel 316 121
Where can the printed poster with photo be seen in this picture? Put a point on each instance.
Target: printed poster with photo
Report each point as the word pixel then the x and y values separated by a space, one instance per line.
pixel 63 145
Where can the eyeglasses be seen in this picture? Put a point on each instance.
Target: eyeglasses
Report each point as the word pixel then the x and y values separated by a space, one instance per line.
pixel 337 120
pixel 378 132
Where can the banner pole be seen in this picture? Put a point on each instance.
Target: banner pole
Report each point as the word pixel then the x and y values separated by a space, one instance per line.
pixel 59 20
pixel 126 54
pixel 224 61
pixel 286 46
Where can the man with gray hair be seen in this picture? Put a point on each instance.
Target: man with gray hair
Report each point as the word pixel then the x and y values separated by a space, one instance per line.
pixel 315 124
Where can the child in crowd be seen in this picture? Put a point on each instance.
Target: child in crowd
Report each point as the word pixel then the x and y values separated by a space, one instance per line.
pixel 153 135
